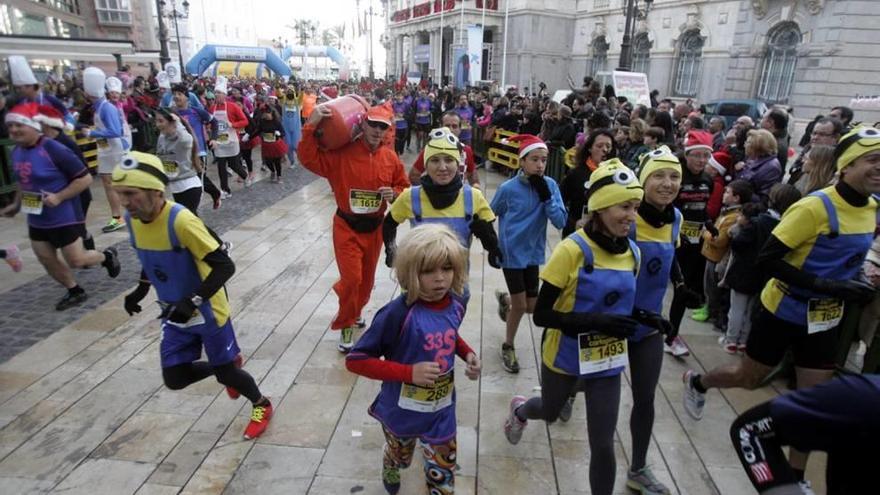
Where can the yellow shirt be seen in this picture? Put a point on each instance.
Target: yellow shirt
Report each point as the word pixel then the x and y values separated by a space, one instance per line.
pixel 401 209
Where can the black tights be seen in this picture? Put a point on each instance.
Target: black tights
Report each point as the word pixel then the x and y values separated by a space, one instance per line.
pixel 247 156
pixel 602 397
pixel 274 165
pixel 190 199
pixel 183 375
pixel 232 162
pixel 645 361
pixel 693 265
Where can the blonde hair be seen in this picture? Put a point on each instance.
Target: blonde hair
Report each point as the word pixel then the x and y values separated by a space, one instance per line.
pixel 426 248
pixel 763 143
pixel 822 170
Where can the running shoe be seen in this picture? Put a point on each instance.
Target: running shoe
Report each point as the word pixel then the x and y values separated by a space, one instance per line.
pixel 218 200
pixel 728 346
pixel 361 323
pixel 249 181
pixel 508 358
pixel 503 304
pixel 644 482
pixel 346 340
pixel 391 480
pixel 260 417
pixel 806 487
pixel 13 258
pixel 565 412
pixel 231 392
pixel 513 426
pixel 111 262
pixel 701 314
pixel 677 349
pixel 694 400
pixel 742 348
pixel 225 195
pixel 113 225
pixel 70 300
pixel 226 246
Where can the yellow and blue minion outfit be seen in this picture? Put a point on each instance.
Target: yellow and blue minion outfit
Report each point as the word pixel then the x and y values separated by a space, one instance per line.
pixel 171 249
pixel 593 280
pixel 828 237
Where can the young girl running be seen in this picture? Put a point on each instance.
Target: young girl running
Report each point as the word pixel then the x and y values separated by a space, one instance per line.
pixel 524 203
pixel 586 305
pixel 272 137
pixel 417 335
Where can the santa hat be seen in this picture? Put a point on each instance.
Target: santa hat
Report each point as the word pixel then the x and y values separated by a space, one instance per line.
pixel 697 139
pixel 24 114
pixel 527 143
pixel 93 82
pixel 22 75
pixel 113 84
pixel 49 115
pixel 720 161
pixel 162 80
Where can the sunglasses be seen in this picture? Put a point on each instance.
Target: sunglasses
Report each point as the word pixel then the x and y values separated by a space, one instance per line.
pixel 378 125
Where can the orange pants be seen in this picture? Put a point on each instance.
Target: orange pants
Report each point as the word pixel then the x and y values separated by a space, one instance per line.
pixel 356 257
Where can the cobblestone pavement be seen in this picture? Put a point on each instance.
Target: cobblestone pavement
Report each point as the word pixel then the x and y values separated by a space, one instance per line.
pixel 27 313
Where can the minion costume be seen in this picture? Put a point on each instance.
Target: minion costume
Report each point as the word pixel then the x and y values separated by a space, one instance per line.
pixel 290 119
pixel 457 205
pixel 184 262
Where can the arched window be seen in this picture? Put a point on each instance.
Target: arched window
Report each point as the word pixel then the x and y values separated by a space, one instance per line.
pixel 690 60
pixel 600 54
pixel 780 61
pixel 641 53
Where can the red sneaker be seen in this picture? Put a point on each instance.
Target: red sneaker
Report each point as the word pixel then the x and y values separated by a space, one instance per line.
pixel 259 421
pixel 231 392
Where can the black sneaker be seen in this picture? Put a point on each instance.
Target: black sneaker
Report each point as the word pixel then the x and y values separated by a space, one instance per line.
pixel 71 299
pixel 111 263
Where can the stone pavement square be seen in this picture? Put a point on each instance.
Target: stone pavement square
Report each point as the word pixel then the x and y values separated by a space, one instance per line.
pixel 84 409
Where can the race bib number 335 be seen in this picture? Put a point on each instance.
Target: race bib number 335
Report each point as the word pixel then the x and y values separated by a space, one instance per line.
pixel 362 201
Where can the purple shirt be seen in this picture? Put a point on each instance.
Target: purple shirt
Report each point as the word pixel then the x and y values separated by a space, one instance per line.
pixel 49 167
pixel 762 173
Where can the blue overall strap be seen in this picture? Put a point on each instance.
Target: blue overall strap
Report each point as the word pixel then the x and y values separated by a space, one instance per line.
pixel 127 217
pixel 833 224
pixel 632 230
pixel 637 254
pixel 172 236
pixel 585 248
pixel 468 203
pixel 416 199
pixel 676 226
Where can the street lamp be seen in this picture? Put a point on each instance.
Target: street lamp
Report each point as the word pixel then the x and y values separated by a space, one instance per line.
pixel 632 12
pixel 174 15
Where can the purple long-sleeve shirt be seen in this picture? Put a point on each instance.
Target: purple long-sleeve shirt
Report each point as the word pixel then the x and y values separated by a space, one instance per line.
pixel 762 173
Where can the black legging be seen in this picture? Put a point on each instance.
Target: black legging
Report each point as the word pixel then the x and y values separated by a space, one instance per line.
pixel 232 162
pixel 182 375
pixel 400 141
pixel 645 361
pixel 247 156
pixel 602 396
pixel 190 199
pixel 692 264
pixel 274 165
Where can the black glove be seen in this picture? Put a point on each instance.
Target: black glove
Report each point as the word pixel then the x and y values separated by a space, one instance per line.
pixel 496 258
pixel 182 311
pixel 612 325
pixel 849 290
pixel 656 321
pixel 692 300
pixel 131 300
pixel 710 227
pixel 389 256
pixel 540 186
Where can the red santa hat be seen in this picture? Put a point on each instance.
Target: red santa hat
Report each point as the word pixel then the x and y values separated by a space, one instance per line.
pixel 526 142
pixel 697 139
pixel 24 114
pixel 50 116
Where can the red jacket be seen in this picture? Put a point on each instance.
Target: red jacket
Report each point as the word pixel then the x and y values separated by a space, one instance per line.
pixel 234 113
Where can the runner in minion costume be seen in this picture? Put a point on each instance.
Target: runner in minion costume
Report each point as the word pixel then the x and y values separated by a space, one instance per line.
pixel 814 257
pixel 187 266
pixel 442 197
pixel 290 102
pixel 587 306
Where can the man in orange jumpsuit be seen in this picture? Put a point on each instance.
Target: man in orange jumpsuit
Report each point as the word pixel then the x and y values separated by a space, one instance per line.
pixel 365 175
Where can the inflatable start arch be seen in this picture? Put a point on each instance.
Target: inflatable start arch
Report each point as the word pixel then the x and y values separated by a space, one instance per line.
pixel 214 53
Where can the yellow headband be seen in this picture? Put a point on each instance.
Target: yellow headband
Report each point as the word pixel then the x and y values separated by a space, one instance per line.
pixel 140 170
pixel 443 142
pixel 856 143
pixel 656 160
pixel 610 184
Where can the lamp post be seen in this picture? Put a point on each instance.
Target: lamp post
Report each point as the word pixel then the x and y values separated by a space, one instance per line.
pixel 174 15
pixel 164 58
pixel 632 12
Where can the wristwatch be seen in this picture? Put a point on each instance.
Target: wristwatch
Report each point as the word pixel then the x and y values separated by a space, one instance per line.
pixel 197 300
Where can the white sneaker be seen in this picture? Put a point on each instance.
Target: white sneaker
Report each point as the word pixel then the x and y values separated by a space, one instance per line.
pixel 694 400
pixel 806 487
pixel 346 340
pixel 677 349
pixel 513 426
pixel 225 195
pixel 249 181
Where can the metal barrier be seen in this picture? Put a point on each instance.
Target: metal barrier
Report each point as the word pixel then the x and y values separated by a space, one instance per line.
pixel 504 153
pixel 7 174
pixel 89 149
pixel 556 166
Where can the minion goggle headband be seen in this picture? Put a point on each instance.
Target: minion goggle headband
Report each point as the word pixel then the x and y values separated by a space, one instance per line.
pixel 130 164
pixel 622 177
pixel 847 142
pixel 448 136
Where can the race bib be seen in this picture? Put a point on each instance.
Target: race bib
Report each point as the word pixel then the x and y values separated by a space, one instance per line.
pixel 223 138
pixel 598 352
pixel 196 320
pixel 362 201
pixel 428 399
pixel 423 114
pixel 823 314
pixel 102 143
pixel 465 125
pixel 32 202
pixel 222 126
pixel 170 167
pixel 269 137
pixel 691 230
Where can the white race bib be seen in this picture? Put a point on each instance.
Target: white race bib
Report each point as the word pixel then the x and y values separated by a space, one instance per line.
pixel 428 399
pixel 32 202
pixel 362 202
pixel 597 352
pixel 823 314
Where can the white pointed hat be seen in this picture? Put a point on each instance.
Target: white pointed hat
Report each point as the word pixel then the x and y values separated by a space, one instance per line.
pixel 22 74
pixel 173 70
pixel 220 85
pixel 114 84
pixel 93 82
pixel 162 79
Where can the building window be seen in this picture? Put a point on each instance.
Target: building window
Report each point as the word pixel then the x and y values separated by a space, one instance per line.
pixel 601 4
pixel 31 24
pixel 113 11
pixel 641 60
pixel 600 54
pixel 70 6
pixel 690 61
pixel 63 29
pixel 780 61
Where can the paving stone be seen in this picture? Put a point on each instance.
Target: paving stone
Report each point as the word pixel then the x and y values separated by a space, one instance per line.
pixel 277 469
pixel 106 476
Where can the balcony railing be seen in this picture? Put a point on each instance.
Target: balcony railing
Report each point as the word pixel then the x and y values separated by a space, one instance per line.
pixel 435 7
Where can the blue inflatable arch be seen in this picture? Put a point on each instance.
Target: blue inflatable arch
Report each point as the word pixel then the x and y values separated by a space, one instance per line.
pixel 214 53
